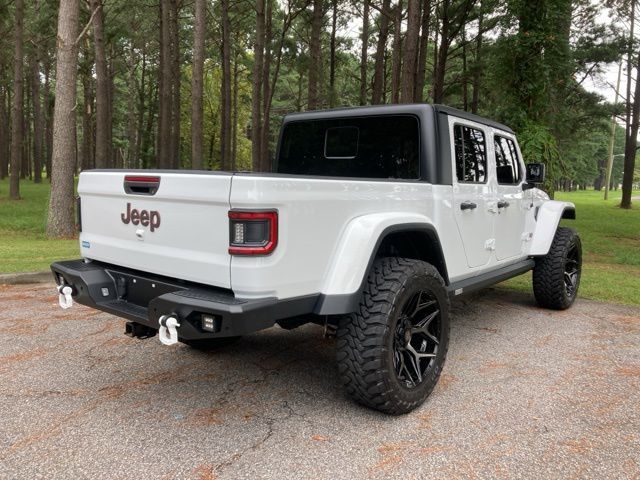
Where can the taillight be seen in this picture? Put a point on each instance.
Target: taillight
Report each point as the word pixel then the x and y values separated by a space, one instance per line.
pixel 253 232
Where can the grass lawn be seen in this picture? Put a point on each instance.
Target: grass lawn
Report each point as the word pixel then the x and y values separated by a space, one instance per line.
pixel 610 241
pixel 610 247
pixel 23 245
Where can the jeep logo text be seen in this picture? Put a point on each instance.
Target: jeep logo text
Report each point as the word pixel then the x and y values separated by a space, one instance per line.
pixel 145 218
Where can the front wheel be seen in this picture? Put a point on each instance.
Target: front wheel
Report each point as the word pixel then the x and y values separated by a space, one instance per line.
pixel 391 351
pixel 556 276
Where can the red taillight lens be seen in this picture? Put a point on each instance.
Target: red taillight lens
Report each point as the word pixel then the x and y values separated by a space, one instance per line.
pixel 253 232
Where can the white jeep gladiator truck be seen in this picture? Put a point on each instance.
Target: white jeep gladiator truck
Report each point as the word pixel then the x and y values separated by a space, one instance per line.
pixel 372 219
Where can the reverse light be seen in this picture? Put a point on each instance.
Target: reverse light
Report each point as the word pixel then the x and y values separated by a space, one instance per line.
pixel 210 323
pixel 253 232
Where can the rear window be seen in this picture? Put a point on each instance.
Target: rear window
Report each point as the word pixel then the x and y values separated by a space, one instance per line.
pixel 367 147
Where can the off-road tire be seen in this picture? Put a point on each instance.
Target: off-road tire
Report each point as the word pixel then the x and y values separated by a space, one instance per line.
pixel 365 348
pixel 549 287
pixel 210 344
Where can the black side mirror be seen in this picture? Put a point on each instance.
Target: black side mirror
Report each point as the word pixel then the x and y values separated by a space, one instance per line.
pixel 535 174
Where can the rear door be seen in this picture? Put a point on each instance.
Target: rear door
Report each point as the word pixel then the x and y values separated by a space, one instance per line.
pixel 473 193
pixel 168 223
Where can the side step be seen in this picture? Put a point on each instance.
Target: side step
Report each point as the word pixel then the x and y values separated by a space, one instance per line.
pixel 486 279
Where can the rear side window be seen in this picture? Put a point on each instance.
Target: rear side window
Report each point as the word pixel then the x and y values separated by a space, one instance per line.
pixel 507 164
pixel 471 154
pixel 366 147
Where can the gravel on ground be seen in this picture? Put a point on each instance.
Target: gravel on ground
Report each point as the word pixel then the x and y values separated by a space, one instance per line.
pixel 525 393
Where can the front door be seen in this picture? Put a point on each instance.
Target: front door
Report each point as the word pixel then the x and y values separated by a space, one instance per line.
pixel 473 193
pixel 510 218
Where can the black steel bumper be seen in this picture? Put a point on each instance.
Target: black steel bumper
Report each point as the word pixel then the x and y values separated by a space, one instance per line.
pixel 143 298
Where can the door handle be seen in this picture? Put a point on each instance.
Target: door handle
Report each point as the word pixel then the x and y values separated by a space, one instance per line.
pixel 503 204
pixel 467 206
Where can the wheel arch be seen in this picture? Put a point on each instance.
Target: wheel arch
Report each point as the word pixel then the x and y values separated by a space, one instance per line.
pixel 548 218
pixel 414 241
pixel 367 240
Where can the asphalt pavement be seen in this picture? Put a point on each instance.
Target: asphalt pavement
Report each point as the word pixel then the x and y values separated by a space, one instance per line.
pixel 525 393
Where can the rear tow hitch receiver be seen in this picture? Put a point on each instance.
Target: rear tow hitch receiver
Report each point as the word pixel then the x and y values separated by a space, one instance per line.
pixel 136 330
pixel 64 296
pixel 167 332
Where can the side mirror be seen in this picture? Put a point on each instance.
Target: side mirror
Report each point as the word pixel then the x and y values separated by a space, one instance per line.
pixel 535 174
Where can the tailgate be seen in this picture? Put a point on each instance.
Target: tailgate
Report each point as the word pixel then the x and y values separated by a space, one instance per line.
pixel 177 227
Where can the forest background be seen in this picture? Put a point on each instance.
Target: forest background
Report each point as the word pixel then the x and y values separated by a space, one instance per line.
pixel 203 84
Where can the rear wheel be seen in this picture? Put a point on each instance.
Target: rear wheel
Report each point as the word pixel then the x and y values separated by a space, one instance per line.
pixel 556 276
pixel 391 351
pixel 209 344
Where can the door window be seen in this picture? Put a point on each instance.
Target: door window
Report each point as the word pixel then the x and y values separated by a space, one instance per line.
pixel 471 154
pixel 507 164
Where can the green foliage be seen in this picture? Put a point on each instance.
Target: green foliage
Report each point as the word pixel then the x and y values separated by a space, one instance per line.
pixel 539 145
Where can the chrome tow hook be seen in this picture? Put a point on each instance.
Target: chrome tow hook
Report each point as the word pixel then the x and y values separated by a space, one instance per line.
pixel 167 332
pixel 64 296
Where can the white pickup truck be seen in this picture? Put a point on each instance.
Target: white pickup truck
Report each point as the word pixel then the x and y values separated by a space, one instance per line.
pixel 372 219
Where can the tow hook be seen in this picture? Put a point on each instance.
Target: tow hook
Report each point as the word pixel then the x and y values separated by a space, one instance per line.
pixel 167 332
pixel 64 296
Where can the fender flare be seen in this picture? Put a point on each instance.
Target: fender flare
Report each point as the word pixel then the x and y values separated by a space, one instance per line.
pixel 356 252
pixel 548 217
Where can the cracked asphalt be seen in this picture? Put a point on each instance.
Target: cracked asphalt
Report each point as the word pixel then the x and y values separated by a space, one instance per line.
pixel 525 393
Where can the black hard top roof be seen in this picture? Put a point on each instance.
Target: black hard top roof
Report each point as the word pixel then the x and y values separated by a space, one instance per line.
pixel 410 108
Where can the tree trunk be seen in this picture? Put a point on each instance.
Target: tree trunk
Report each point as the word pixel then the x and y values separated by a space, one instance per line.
pixel 315 49
pixel 165 92
pixel 443 52
pixel 175 82
pixel 410 51
pixel 234 123
pixel 632 20
pixel 38 125
pixel 225 110
pixel 150 161
pixel 140 108
pixel 88 146
pixel 103 125
pixel 197 76
pixel 363 53
pixel 17 111
pixel 464 79
pixel 477 67
pixel 396 56
pixel 114 159
pixel 630 146
pixel 421 68
pixel 256 103
pixel 48 104
pixel 379 65
pixel 60 222
pixel 131 159
pixel 265 128
pixel 4 134
pixel 332 55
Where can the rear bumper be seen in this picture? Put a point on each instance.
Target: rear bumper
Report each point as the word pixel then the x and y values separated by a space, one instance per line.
pixel 143 298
